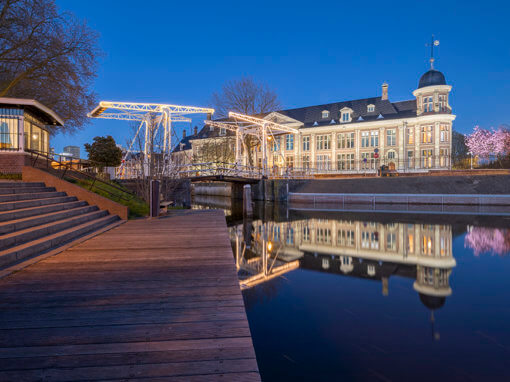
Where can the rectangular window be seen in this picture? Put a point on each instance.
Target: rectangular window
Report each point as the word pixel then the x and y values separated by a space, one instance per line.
pixel 364 138
pixel 306 143
pixel 345 238
pixel 289 161
pixel 289 142
pixel 345 117
pixel 374 138
pixel 340 141
pixel 223 131
pixel 323 235
pixel 410 136
pixel 426 134
pixel 345 141
pixel 428 104
pixel 442 103
pixel 9 133
pixel 391 137
pixel 306 161
pixel 426 158
pixel 443 158
pixel 367 161
pixel 410 159
pixel 443 133
pixel 323 142
pixel 345 161
pixel 323 162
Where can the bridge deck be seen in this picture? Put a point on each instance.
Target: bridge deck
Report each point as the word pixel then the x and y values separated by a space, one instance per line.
pixel 150 300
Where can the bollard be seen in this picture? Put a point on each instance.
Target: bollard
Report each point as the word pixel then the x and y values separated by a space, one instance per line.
pixel 154 198
pixel 247 205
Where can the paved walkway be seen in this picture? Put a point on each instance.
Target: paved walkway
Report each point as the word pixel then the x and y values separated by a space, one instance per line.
pixel 152 300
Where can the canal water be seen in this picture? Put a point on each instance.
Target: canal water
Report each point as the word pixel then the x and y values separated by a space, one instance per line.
pixel 347 296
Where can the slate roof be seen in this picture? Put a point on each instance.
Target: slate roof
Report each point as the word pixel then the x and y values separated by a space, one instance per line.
pixel 205 132
pixel 311 116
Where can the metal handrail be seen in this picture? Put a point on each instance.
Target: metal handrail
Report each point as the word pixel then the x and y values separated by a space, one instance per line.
pixel 70 172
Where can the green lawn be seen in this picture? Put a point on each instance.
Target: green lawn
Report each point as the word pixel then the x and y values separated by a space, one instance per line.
pixel 137 207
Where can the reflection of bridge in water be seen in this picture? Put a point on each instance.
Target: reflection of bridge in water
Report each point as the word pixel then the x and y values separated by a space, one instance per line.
pixel 367 250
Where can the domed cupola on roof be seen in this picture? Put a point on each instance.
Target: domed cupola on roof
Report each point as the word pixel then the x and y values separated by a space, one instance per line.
pixel 432 78
pixel 432 94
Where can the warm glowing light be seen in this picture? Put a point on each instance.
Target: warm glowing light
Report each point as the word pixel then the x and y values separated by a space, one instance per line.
pixel 269 138
pixel 34 136
pixel 269 245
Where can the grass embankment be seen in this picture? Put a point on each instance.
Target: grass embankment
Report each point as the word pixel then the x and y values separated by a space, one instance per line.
pixel 137 207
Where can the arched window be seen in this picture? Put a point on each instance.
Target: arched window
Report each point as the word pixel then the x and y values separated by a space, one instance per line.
pixel 370 108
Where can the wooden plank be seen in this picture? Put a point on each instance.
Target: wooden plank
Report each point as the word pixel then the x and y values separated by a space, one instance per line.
pixel 152 299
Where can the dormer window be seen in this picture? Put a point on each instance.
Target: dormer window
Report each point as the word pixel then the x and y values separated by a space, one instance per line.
pixel 370 108
pixel 325 114
pixel 223 131
pixel 345 115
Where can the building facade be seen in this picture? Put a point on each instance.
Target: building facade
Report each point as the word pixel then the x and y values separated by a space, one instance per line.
pixel 24 127
pixel 361 135
pixel 358 136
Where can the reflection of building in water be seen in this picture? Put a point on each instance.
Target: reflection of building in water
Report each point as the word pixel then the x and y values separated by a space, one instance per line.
pixel 367 250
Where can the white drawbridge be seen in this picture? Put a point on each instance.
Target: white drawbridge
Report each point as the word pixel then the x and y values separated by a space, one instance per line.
pixel 155 120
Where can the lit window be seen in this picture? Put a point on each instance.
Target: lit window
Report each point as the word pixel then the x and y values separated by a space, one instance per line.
pixel 426 134
pixel 443 133
pixel 370 108
pixel 410 136
pixel 325 114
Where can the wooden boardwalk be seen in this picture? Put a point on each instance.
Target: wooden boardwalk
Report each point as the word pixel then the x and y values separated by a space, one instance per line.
pixel 152 300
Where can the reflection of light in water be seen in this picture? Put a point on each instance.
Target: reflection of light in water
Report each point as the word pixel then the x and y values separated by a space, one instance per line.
pixel 369 250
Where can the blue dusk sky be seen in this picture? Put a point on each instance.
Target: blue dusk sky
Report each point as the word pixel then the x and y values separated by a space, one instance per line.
pixel 310 53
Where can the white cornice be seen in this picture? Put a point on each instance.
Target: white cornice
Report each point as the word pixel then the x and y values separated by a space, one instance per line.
pixel 431 89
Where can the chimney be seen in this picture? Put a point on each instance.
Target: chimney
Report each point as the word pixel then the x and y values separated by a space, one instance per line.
pixel 184 134
pixel 384 91
pixel 195 130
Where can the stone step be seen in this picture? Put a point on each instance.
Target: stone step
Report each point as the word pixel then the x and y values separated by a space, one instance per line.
pixel 32 221
pixel 33 248
pixel 21 184
pixel 35 211
pixel 33 233
pixel 24 190
pixel 29 196
pixel 8 206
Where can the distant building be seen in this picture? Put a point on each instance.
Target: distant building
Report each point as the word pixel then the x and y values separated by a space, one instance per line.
pixel 74 151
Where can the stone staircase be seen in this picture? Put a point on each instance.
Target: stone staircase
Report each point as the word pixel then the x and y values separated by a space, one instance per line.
pixel 35 219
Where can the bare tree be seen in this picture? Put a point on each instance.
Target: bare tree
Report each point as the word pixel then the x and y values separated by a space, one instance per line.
pixel 48 56
pixel 245 96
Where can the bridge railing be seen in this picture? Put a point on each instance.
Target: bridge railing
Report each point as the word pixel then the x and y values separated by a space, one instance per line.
pixel 219 168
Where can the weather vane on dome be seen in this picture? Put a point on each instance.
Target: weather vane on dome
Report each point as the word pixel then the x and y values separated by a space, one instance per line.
pixel 432 44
